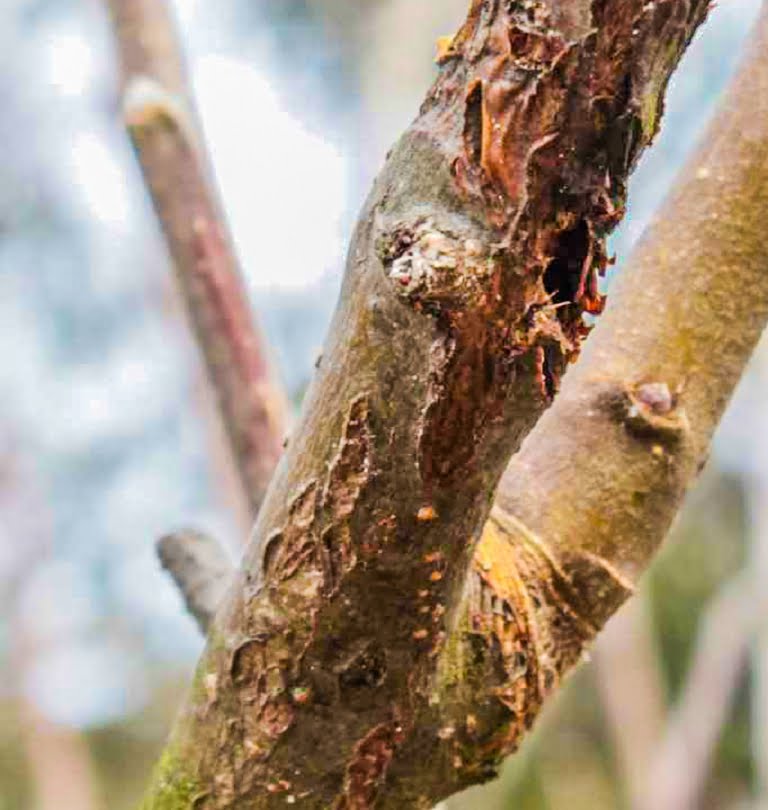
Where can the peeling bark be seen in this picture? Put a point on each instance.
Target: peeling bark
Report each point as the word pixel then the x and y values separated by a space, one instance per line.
pixel 337 664
pixel 585 504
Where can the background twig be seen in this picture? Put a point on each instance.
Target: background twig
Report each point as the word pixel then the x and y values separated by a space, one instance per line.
pixel 757 501
pixel 201 569
pixel 679 772
pixel 162 123
pixel 632 692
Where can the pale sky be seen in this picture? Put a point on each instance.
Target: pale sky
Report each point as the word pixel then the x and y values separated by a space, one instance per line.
pixel 283 186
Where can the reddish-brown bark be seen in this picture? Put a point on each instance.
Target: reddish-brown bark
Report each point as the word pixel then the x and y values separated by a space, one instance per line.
pixel 473 262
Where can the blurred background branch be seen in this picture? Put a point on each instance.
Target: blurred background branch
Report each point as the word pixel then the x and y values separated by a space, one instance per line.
pixel 160 117
pixel 680 768
pixel 757 505
pixel 631 688
pixel 147 44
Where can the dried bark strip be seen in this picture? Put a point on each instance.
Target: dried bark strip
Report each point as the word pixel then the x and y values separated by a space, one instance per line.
pixel 473 261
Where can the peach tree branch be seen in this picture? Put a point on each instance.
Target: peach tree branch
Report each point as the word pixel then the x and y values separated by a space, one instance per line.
pixel 585 504
pixel 328 680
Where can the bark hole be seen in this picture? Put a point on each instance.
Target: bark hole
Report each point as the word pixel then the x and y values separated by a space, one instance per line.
pixel 564 277
pixel 568 284
pixel 473 124
pixel 366 670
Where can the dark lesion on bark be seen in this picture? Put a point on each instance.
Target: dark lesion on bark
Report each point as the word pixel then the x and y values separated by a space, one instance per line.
pixel 551 126
pixel 526 618
pixel 473 124
pixel 482 244
pixel 370 760
pixel 569 277
pixel 448 269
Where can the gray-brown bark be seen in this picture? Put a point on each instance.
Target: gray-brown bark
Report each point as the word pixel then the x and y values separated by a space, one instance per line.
pixel 473 262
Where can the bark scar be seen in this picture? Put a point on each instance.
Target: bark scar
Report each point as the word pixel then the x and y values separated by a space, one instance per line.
pixel 530 616
pixel 368 767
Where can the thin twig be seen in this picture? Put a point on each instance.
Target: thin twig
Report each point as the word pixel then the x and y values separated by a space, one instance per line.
pixel 632 692
pixel 679 772
pixel 147 43
pixel 160 118
pixel 757 498
pixel 201 570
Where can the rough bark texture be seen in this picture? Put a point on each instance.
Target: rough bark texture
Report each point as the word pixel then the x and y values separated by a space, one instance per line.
pixel 584 505
pixel 474 260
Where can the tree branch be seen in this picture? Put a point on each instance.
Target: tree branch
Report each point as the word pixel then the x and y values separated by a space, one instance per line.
pixel 584 505
pixel 679 770
pixel 474 259
pixel 145 35
pixel 162 123
pixel 201 570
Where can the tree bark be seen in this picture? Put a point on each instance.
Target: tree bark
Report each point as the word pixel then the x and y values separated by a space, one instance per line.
pixel 340 672
pixel 585 504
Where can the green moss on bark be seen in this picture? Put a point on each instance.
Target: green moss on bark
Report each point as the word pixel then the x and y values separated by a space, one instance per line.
pixel 173 788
